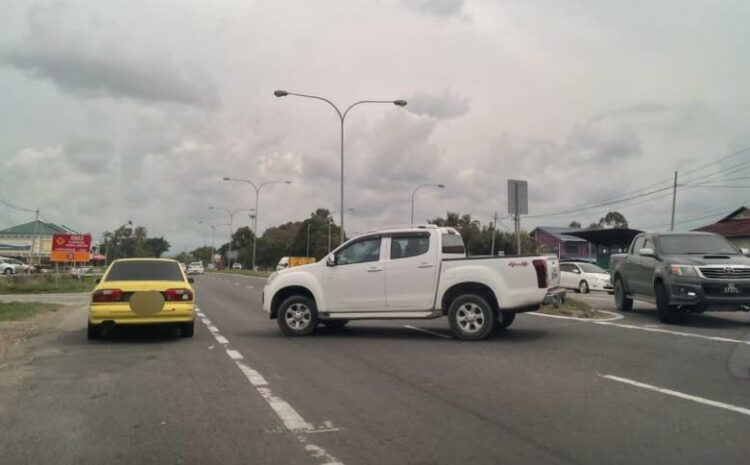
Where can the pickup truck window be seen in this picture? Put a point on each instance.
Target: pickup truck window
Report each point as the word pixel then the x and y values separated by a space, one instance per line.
pixel 453 243
pixel 696 244
pixel 409 246
pixel 363 251
pixel 638 244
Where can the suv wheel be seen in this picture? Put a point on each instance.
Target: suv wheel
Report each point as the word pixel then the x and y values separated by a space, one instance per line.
pixel 297 316
pixel 471 317
pixel 622 301
pixel 669 314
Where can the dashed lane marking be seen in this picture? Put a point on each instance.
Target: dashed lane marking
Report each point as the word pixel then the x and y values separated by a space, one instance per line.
pixel 427 331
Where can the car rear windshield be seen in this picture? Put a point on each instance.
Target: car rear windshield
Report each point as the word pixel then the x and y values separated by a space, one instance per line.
pixel 453 243
pixel 698 245
pixel 145 270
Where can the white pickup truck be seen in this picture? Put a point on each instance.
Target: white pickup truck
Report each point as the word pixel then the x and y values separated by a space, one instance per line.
pixel 415 272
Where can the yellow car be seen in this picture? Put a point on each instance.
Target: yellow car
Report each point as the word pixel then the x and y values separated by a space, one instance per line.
pixel 142 291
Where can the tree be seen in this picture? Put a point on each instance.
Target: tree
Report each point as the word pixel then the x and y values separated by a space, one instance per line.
pixel 127 242
pixel 202 254
pixel 613 219
pixel 595 226
pixel 575 224
pixel 156 246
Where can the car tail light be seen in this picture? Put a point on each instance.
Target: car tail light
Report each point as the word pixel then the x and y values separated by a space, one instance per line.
pixel 178 295
pixel 107 295
pixel 541 273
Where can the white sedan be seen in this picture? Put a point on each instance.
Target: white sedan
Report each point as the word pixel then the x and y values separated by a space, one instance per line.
pixel 584 277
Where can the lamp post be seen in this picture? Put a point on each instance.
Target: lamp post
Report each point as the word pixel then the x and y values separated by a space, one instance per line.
pixel 231 214
pixel 330 222
pixel 342 117
pixel 257 195
pixel 439 186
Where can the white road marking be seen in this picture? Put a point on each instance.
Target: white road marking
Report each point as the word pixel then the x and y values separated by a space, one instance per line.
pixel 212 328
pixel 674 333
pixel 234 355
pixel 250 287
pixel 681 395
pixel 255 378
pixel 614 316
pixel 221 339
pixel 291 419
pixel 434 333
pixel 206 321
pixel 320 453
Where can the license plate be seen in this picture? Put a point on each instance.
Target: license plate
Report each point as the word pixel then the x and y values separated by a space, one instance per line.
pixel 731 289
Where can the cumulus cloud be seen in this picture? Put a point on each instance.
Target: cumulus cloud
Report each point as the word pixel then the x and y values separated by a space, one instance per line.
pixel 90 155
pixel 88 65
pixel 441 8
pixel 442 105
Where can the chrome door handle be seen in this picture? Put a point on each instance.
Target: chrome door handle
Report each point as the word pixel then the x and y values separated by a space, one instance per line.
pixel 373 270
pixel 425 265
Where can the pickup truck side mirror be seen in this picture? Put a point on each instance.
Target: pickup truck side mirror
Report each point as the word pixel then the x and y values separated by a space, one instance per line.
pixel 331 260
pixel 646 252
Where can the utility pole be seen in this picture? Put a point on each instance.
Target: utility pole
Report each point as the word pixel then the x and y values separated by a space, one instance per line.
pixel 674 201
pixel 37 240
pixel 518 224
pixel 494 231
pixel 308 239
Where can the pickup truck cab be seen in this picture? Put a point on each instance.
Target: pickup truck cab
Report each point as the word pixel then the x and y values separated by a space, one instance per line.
pixel 682 273
pixel 406 273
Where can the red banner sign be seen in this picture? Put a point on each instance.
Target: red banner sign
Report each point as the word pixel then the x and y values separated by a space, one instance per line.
pixel 71 247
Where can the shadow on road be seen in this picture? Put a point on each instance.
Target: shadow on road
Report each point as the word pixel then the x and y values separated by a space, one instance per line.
pixel 146 334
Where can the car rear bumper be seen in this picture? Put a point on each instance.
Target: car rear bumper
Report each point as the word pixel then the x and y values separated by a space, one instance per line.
pixel 122 315
pixel 556 295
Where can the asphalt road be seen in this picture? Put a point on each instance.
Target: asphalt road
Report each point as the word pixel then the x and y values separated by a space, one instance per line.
pixel 548 390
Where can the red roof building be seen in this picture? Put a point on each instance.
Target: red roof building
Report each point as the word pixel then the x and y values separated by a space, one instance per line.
pixel 735 227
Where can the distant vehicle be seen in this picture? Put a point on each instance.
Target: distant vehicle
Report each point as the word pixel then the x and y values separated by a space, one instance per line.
pixel 584 277
pixel 195 268
pixel 682 273
pixel 237 266
pixel 183 266
pixel 142 291
pixel 418 272
pixel 211 266
pixel 290 262
pixel 11 266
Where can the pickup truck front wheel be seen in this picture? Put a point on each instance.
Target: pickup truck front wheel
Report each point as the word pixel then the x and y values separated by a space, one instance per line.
pixel 471 317
pixel 297 316
pixel 669 314
pixel 622 301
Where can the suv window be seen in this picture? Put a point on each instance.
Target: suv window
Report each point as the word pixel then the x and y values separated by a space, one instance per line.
pixel 363 251
pixel 145 270
pixel 405 246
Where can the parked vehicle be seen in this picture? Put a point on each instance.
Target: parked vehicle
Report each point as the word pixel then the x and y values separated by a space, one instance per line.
pixel 584 277
pixel 415 272
pixel 195 268
pixel 237 266
pixel 142 291
pixel 290 262
pixel 11 266
pixel 682 273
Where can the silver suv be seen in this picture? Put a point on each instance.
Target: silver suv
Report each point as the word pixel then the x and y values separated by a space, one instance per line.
pixel 10 266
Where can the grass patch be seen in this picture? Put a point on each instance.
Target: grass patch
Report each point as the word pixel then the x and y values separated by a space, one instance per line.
pixel 573 308
pixel 260 274
pixel 15 311
pixel 44 283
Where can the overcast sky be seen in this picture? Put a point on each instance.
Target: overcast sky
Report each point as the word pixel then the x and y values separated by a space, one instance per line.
pixel 134 110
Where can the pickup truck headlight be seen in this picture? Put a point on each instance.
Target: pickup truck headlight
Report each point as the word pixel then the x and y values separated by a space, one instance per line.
pixel 683 270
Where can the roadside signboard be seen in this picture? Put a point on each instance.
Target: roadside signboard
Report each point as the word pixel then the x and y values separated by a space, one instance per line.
pixel 518 197
pixel 71 248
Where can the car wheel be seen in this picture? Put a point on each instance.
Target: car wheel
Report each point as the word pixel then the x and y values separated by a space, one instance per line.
pixel 622 301
pixel 298 316
pixel 471 317
pixel 335 324
pixel 93 331
pixel 669 314
pixel 187 329
pixel 506 319
pixel 583 287
pixel 8 271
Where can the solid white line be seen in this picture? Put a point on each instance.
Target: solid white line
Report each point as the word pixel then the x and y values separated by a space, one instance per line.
pixel 681 395
pixel 292 420
pixel 255 378
pixel 615 316
pixel 213 329
pixel 250 287
pixel 234 355
pixel 674 333
pixel 221 339
pixel 444 336
pixel 206 321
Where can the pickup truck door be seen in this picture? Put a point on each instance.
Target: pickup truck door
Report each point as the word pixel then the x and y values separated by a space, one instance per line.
pixel 411 271
pixel 645 270
pixel 357 280
pixel 632 267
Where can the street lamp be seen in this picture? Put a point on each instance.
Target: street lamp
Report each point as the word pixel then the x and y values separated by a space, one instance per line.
pixel 257 195
pixel 342 117
pixel 231 214
pixel 213 237
pixel 439 186
pixel 330 222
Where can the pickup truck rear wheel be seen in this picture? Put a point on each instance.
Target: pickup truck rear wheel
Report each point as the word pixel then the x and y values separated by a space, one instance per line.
pixel 471 317
pixel 669 314
pixel 297 316
pixel 506 319
pixel 622 301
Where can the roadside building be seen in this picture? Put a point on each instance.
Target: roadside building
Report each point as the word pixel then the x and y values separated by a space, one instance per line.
pixel 30 242
pixel 557 240
pixel 735 227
